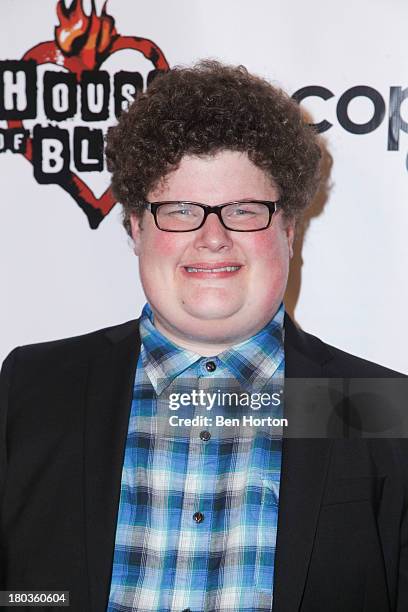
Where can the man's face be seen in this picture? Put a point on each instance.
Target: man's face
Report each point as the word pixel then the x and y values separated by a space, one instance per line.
pixel 208 312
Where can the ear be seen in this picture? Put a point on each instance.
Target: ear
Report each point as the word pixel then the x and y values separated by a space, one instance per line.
pixel 136 227
pixel 290 233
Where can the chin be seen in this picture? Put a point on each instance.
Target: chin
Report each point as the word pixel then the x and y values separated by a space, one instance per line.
pixel 210 311
pixel 217 329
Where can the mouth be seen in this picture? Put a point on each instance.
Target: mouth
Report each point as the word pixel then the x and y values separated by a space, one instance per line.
pixel 207 270
pixel 213 270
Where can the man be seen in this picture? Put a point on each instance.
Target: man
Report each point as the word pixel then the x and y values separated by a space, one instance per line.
pixel 213 167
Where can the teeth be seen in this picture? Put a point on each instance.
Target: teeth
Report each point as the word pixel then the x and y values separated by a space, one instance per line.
pixel 225 269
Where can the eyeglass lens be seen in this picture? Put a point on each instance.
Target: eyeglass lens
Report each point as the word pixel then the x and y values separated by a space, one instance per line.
pixel 179 216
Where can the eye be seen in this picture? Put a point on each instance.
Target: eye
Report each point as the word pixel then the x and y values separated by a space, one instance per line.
pixel 180 210
pixel 241 210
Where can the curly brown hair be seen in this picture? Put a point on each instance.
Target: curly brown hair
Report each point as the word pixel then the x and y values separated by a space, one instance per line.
pixel 205 109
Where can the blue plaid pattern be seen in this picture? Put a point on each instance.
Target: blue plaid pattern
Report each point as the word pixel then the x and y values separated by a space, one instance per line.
pixel 164 559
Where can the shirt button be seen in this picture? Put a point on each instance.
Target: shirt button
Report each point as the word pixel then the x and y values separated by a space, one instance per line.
pixel 210 366
pixel 198 517
pixel 205 435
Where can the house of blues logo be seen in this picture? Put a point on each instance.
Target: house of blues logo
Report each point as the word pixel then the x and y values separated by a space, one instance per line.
pixel 58 100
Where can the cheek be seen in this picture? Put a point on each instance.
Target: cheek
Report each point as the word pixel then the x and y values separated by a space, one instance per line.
pixel 262 244
pixel 163 245
pixel 270 265
pixel 267 248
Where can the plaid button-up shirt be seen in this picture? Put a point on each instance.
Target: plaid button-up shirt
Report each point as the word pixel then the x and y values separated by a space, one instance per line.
pixel 198 513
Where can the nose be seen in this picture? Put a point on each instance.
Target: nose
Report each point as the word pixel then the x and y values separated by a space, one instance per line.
pixel 213 235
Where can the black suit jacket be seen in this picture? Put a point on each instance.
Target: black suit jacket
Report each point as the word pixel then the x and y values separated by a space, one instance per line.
pixel 342 543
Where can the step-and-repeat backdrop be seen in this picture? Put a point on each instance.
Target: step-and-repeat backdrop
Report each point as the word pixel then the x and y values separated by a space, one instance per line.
pixel 67 70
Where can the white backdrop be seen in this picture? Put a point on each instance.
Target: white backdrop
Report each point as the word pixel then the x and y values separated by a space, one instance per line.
pixel 60 278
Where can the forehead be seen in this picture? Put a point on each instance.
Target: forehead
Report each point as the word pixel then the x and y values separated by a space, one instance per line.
pixel 225 176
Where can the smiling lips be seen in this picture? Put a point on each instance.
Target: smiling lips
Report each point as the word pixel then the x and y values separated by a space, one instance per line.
pixel 220 269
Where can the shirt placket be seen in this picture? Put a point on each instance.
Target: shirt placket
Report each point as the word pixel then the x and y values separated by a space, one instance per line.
pixel 196 515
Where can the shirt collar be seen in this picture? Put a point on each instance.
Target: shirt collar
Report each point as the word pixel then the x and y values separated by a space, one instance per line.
pixel 162 360
pixel 256 359
pixel 252 362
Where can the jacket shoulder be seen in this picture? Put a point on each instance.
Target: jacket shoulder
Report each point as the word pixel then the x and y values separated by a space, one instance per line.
pixel 351 365
pixel 74 348
pixel 336 362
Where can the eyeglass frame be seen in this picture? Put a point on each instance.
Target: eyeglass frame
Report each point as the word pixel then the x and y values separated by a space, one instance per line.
pixel 153 207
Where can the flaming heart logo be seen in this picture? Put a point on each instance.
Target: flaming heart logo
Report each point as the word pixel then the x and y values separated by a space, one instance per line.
pixel 82 43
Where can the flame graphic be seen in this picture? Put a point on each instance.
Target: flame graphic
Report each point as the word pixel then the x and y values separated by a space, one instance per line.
pixel 87 37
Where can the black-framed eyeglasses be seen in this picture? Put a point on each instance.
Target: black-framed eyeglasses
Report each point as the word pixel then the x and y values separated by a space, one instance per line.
pixel 239 216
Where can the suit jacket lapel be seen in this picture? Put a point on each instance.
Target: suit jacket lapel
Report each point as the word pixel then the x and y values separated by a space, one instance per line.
pixel 109 399
pixel 304 468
